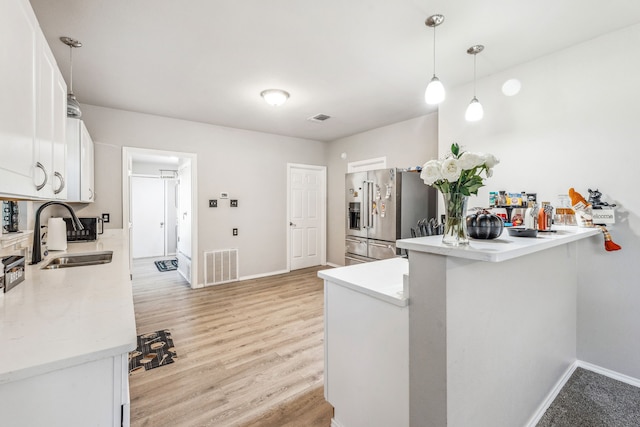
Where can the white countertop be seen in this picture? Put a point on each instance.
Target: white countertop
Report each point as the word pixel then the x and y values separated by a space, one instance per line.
pixel 380 279
pixel 503 248
pixel 64 317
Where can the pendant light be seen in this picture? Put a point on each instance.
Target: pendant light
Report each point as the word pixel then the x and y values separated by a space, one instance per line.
pixel 474 110
pixel 73 106
pixel 435 90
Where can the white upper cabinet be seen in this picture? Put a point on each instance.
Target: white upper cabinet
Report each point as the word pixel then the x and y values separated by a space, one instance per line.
pixel 17 103
pixel 80 162
pixel 50 143
pixel 33 109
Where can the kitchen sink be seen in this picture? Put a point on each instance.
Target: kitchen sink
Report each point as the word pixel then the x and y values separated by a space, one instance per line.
pixel 78 260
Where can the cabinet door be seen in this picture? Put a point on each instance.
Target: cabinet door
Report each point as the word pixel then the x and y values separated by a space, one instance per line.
pixel 87 193
pixel 51 115
pixel 59 178
pixel 43 173
pixel 17 103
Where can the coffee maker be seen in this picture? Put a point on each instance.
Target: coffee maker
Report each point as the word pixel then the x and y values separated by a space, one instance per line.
pixel 10 216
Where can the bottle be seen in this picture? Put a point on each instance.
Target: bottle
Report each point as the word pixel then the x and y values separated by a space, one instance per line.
pixel 542 217
pixel 548 210
pixel 502 198
pixel 529 221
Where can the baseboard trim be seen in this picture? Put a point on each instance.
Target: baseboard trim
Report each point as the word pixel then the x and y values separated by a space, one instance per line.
pixel 258 276
pixel 334 423
pixel 609 373
pixel 331 264
pixel 537 415
pixel 535 419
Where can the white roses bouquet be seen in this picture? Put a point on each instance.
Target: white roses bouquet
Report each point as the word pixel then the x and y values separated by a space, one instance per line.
pixel 459 172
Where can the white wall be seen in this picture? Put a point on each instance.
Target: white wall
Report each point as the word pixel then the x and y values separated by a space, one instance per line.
pixel 250 166
pixel 405 144
pixel 574 124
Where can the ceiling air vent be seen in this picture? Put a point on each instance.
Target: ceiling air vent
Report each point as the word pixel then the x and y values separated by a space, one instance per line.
pixel 319 118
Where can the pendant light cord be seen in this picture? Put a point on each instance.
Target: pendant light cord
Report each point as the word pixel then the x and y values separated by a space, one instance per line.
pixel 434 51
pixel 71 69
pixel 474 74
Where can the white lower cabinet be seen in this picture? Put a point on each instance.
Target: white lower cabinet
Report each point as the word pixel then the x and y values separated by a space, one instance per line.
pixel 91 394
pixel 366 376
pixel 80 162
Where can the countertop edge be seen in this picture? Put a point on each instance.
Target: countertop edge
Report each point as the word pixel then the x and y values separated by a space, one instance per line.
pixel 56 365
pixel 433 245
pixel 334 276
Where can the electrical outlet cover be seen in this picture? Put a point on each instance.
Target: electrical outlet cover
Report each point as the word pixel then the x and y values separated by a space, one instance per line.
pixel 213 203
pixel 234 203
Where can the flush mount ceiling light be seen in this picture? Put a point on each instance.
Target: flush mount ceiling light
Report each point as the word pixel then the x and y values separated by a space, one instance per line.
pixel 435 90
pixel 73 107
pixel 474 110
pixel 275 97
pixel 511 87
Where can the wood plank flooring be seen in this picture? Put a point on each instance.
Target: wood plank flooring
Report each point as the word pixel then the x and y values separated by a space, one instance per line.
pixel 249 353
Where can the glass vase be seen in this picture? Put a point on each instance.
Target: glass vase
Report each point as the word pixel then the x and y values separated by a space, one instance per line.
pixel 455 225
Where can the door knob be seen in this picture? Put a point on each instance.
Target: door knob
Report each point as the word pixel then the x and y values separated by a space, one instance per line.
pixel 162 224
pixel 291 224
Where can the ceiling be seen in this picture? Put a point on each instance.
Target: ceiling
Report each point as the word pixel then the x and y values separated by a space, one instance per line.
pixel 365 63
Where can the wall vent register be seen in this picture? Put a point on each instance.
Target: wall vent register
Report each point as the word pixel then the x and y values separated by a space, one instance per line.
pixel 221 266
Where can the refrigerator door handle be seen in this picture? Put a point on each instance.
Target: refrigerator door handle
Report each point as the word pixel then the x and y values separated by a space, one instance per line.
pixel 361 242
pixel 365 204
pixel 378 245
pixel 369 204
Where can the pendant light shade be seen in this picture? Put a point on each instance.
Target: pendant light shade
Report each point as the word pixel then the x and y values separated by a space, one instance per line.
pixel 474 111
pixel 435 93
pixel 73 106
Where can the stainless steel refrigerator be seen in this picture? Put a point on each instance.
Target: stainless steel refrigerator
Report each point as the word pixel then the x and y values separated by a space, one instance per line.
pixel 381 207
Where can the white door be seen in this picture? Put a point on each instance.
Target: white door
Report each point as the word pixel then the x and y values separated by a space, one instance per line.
pixel 147 211
pixel 184 221
pixel 306 216
pixel 171 216
pixel 184 211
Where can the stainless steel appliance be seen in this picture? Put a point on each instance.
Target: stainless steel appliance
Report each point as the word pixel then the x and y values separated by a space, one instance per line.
pixel 10 217
pixel 13 271
pixel 381 207
pixel 93 226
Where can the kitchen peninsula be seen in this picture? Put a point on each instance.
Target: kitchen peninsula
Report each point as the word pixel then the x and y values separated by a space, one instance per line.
pixel 491 327
pixel 65 335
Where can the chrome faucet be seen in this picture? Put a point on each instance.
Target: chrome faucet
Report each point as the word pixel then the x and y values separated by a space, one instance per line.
pixel 36 252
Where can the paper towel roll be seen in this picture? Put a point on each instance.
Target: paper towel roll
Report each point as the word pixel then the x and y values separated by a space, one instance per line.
pixel 57 234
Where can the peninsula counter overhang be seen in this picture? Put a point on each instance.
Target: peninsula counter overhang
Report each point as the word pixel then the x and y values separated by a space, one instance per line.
pixel 503 248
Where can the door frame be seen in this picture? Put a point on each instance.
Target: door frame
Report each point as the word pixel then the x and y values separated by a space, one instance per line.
pixel 323 210
pixel 127 158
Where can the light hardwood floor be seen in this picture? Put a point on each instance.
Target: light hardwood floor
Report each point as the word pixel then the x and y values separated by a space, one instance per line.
pixel 249 353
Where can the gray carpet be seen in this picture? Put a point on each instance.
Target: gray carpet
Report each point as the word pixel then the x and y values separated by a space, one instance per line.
pixel 593 400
